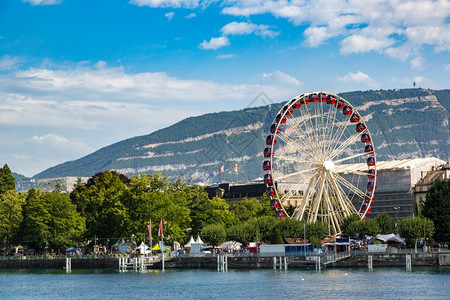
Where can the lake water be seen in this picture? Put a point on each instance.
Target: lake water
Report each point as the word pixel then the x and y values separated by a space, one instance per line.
pixel 381 283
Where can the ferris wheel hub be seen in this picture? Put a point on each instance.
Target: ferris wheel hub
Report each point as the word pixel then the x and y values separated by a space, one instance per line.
pixel 329 165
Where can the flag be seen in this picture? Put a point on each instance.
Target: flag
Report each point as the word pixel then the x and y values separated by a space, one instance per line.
pixel 222 169
pixel 235 168
pixel 160 231
pixel 149 225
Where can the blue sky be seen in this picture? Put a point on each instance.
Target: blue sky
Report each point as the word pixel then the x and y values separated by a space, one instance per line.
pixel 77 75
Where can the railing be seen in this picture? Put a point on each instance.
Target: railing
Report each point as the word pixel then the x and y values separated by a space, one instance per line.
pixel 331 257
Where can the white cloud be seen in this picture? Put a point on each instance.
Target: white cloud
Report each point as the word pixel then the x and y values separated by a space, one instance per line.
pixel 397 28
pixel 358 77
pixel 424 82
pixel 9 62
pixel 215 43
pixel 64 113
pixel 169 15
pixel 242 28
pixel 167 3
pixel 191 15
pixel 42 2
pixel 447 67
pixel 316 36
pixel 225 56
pixel 417 63
pixel 282 78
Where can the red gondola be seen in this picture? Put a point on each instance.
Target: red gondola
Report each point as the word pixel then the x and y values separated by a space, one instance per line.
pixel 368 211
pixel 371 173
pixel 347 110
pixel 266 165
pixel 296 104
pixel 280 214
pixel 354 118
pixel 322 97
pixel 371 186
pixel 273 128
pixel 305 100
pixel 268 152
pixel 313 98
pixel 365 138
pixel 371 161
pixel 270 191
pixel 274 203
pixel 289 111
pixel 268 178
pixel 340 104
pixel 270 139
pixel 281 119
pixel 360 127
pixel 368 198
pixel 368 149
pixel 331 99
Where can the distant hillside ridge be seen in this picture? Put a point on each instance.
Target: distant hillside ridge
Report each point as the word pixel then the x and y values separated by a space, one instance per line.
pixel 407 123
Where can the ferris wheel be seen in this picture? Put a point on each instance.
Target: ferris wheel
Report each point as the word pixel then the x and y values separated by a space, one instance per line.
pixel 319 161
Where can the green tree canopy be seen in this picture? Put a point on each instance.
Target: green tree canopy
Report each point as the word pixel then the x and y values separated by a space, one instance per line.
pixel 99 203
pixel 246 209
pixel 51 219
pixel 415 228
pixel 363 227
pixel 214 234
pixel 385 222
pixel 346 223
pixel 437 209
pixel 6 180
pixel 10 213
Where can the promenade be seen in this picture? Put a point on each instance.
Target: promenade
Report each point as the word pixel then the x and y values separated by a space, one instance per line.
pixel 237 261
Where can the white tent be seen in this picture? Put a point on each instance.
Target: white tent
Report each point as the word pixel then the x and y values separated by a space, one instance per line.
pixel 230 246
pixel 142 248
pixel 191 241
pixel 390 238
pixel 199 240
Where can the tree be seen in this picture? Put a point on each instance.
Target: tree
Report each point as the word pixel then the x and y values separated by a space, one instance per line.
pixel 199 206
pixel 385 222
pixel 437 209
pixel 415 228
pixel 36 219
pixel 243 233
pixel 247 209
pixel 51 219
pixel 363 228
pixel 10 214
pixel 6 180
pixel 220 213
pixel 214 234
pixel 290 228
pixel 316 232
pixel 99 202
pixel 65 225
pixel 346 223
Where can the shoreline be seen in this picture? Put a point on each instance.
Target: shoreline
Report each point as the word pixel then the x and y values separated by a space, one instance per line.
pixel 236 262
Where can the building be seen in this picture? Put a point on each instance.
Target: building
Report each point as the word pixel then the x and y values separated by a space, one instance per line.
pixel 66 184
pixel 235 192
pixel 427 179
pixel 396 181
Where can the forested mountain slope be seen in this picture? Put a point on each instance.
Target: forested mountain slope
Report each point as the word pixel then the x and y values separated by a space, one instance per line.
pixel 405 123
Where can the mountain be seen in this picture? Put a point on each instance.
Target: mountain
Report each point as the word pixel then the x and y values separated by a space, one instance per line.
pixel 404 123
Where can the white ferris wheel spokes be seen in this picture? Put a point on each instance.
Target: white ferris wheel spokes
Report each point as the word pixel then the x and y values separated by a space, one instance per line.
pixel 320 153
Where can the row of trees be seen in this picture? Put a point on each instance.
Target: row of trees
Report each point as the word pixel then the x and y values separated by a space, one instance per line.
pixel 110 206
pixel 411 229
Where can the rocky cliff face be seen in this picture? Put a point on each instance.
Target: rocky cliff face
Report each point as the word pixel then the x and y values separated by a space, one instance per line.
pixel 403 123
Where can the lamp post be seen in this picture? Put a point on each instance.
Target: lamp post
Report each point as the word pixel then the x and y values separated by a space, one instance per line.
pixel 396 218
